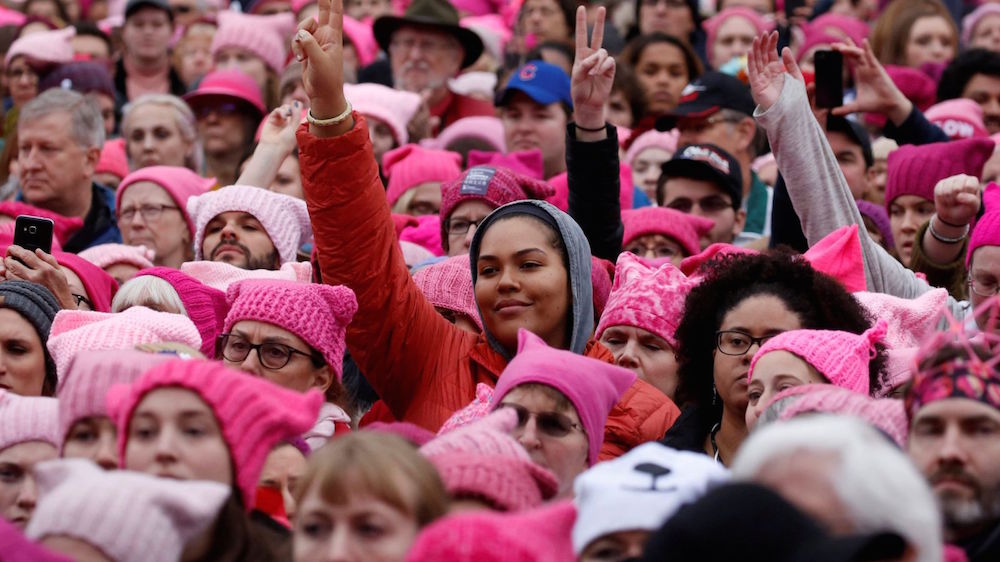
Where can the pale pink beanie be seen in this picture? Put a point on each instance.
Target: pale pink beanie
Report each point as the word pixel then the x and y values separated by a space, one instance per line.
pixel 484 128
pixel 886 414
pixel 319 314
pixel 411 165
pixel 393 107
pixel 648 298
pixel 684 228
pixel 414 254
pixel 89 376
pixel 28 418
pixel 959 118
pixel 448 284
pixel 180 184
pixel 45 47
pixel 712 24
pixel 651 139
pixel 74 331
pixel 840 357
pixel 219 275
pixel 910 321
pixel 284 217
pixel 362 37
pixel 126 515
pixel 106 255
pixel 972 19
pixel 262 36
pixel 482 460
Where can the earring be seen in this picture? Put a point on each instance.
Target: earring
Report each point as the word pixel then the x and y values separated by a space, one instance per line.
pixel 715 396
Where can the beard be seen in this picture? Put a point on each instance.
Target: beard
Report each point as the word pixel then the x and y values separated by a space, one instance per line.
pixel 401 81
pixel 269 261
pixel 962 512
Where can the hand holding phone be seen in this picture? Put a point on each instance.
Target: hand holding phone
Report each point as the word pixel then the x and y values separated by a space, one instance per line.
pixel 33 233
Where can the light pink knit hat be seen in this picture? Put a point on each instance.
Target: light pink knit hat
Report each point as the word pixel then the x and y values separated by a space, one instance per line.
pixel 126 515
pixel 479 408
pixel 414 254
pixel 651 139
pixel 959 118
pixel 411 165
pixel 180 184
pixel 319 314
pixel 114 159
pixel 90 374
pixel 253 413
pixel 284 217
pixel 448 284
pixel 265 37
pixel 74 331
pixel 900 364
pixel 44 47
pixel 647 298
pixel 840 357
pixel 484 128
pixel 219 275
pixel 684 228
pixel 28 418
pixel 910 321
pixel 886 414
pixel 712 24
pixel 482 460
pixel 970 21
pixel 105 255
pixel 393 107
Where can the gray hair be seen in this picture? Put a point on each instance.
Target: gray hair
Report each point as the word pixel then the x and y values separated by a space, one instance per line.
pixel 149 291
pixel 183 117
pixel 86 125
pixel 877 483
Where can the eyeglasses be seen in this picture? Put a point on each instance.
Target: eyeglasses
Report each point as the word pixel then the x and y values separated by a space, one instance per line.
pixel 983 288
pixel 227 108
pixel 656 250
pixel 462 226
pixel 735 342
pixel 81 299
pixel 235 349
pixel 552 424
pixel 709 204
pixel 149 213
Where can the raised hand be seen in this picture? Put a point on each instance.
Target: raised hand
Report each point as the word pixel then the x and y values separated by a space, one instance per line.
pixel 279 127
pixel 876 92
pixel 767 71
pixel 593 72
pixel 318 45
pixel 956 199
pixel 39 267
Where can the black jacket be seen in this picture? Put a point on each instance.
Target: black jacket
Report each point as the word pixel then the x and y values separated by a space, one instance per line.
pixel 594 191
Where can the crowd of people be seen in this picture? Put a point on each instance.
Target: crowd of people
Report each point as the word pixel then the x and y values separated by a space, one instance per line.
pixel 500 280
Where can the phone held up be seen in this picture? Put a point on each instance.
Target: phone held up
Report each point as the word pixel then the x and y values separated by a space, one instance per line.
pixel 829 79
pixel 32 233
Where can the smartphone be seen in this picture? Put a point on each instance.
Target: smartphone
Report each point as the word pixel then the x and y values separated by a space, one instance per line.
pixel 32 233
pixel 829 79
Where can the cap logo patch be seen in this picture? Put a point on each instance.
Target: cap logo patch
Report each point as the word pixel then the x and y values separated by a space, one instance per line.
pixel 528 72
pixel 691 92
pixel 707 155
pixel 477 181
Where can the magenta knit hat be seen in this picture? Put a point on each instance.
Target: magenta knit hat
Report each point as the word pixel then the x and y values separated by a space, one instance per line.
pixel 527 163
pixel 538 535
pixel 881 219
pixel 63 227
pixel 840 25
pixel 180 184
pixel 592 386
pixel 651 139
pixel 838 255
pixel 712 24
pixel 447 284
pixel 885 414
pixel 253 413
pixel 204 305
pixel 16 547
pixel 219 275
pixel 483 128
pixel 100 286
pixel 28 418
pixel 915 170
pixel 684 228
pixel 229 84
pixel 647 298
pixel 426 234
pixel 114 159
pixel 970 21
pixel 910 321
pixel 959 118
pixel 264 37
pixel 126 515
pixel 411 165
pixel 45 47
pixel 482 460
pixel 560 182
pixel 840 357
pixel 106 255
pixel 284 217
pixel 362 37
pixel 74 331
pixel 987 230
pixel 393 107
pixel 85 382
pixel 319 314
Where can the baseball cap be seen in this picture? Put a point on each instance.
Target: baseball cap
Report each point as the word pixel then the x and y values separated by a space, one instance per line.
pixel 709 93
pixel 541 81
pixel 707 162
pixel 855 132
pixel 133 5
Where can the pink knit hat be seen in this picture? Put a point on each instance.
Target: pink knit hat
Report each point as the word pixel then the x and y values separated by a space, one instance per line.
pixel 264 37
pixel 527 163
pixel 106 255
pixel 230 84
pixel 126 515
pixel 410 165
pixel 959 118
pixel 493 31
pixel 910 321
pixel 393 107
pixel 83 385
pixel 691 264
pixel 480 407
pixel 448 284
pixel 426 234
pixel 45 47
pixel 113 159
pixel 838 255
pixel 319 314
pixel 915 170
pixel 537 535
pixel 360 35
pixel 592 386
pixel 887 414
pixel 560 183
pixel 647 298
pixel 840 357
pixel 28 418
pixel 284 217
pixel 483 128
pixel 970 21
pixel 482 460
pixel 987 230
pixel 651 139
pixel 205 306
pixel 180 184
pixel 63 227
pixel 17 548
pixel 253 413
pixel 840 25
pixel 601 272
pixel 74 331
pixel 219 275
pixel 684 228
pixel 414 254
pixel 100 286
pixel 899 366
pixel 712 24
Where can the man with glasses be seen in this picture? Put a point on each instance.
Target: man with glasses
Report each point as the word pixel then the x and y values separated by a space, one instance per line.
pixel 145 64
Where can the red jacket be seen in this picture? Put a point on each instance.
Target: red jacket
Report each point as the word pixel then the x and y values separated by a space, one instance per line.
pixel 422 366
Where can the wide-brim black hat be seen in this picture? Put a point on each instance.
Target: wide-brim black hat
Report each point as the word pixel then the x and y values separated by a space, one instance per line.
pixel 436 14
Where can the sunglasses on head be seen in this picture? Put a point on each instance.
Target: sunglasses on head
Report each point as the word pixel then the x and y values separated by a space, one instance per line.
pixel 552 424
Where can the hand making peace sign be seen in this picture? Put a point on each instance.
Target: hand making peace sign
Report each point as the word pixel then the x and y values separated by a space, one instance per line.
pixel 593 72
pixel 318 45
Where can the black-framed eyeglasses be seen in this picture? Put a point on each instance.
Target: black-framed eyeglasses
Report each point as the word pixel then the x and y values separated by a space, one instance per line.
pixel 462 226
pixel 82 299
pixel 735 342
pixel 225 108
pixel 552 424
pixel 148 213
pixel 983 289
pixel 271 355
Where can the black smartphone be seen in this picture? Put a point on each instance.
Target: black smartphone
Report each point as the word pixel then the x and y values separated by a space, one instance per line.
pixel 32 233
pixel 792 6
pixel 829 67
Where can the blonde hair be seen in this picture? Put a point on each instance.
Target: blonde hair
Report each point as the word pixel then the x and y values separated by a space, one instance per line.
pixel 149 291
pixel 183 117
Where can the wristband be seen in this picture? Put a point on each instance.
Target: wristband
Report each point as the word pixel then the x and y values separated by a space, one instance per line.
pixel 946 223
pixel 598 130
pixel 332 120
pixel 945 239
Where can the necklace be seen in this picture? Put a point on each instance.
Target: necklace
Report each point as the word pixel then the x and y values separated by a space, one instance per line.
pixel 715 429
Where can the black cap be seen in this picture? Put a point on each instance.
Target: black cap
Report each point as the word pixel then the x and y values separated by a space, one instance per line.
pixel 133 5
pixel 751 523
pixel 855 132
pixel 709 93
pixel 707 162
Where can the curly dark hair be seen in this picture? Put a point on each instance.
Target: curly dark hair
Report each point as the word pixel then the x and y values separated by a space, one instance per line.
pixel 819 300
pixel 963 67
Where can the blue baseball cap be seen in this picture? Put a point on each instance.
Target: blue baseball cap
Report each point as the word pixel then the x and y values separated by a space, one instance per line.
pixel 541 81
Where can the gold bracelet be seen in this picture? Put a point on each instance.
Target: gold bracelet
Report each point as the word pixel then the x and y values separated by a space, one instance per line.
pixel 332 120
